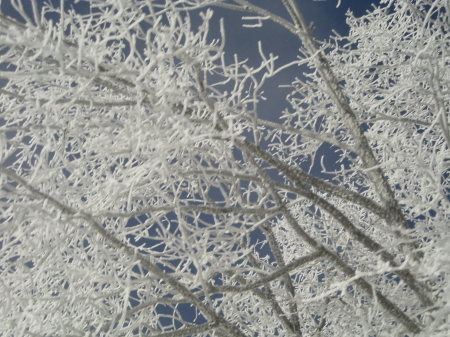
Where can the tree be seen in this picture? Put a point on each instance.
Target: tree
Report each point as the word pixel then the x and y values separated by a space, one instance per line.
pixel 144 194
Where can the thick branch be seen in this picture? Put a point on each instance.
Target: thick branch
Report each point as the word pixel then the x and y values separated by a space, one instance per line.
pixel 333 257
pixel 193 208
pixel 379 180
pixel 300 178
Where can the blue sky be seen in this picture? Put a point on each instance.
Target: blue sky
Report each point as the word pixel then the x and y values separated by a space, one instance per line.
pixel 323 14
pixel 326 17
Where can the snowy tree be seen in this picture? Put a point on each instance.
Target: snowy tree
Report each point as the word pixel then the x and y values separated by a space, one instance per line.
pixel 143 193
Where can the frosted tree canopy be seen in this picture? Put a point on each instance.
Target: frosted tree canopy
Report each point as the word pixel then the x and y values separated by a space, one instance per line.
pixel 144 192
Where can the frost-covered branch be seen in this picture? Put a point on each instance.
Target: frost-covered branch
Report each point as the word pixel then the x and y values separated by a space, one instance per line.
pixel 150 185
